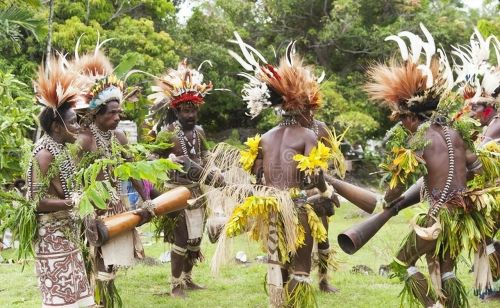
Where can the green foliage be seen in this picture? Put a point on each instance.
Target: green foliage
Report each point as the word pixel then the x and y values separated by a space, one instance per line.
pixel 95 193
pixel 234 139
pixel 13 20
pixel 359 125
pixel 155 171
pixel 17 119
pixel 18 215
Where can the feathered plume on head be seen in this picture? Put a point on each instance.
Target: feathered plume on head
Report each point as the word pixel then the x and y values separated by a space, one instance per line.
pixel 412 85
pixel 96 76
pixel 178 86
pixel 292 85
pixel 57 84
pixel 478 80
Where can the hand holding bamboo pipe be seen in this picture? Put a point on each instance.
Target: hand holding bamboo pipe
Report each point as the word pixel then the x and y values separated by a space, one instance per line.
pixel 358 235
pixel 109 227
pixel 360 197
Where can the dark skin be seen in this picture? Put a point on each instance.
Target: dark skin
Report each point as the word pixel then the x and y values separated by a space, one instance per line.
pixel 486 115
pixel 435 155
pixel 63 133
pixel 324 285
pixel 187 115
pixel 275 163
pixel 306 120
pixel 106 121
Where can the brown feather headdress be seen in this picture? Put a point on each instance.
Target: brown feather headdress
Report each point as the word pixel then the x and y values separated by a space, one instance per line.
pixel 57 84
pixel 96 76
pixel 181 85
pixel 409 86
pixel 292 86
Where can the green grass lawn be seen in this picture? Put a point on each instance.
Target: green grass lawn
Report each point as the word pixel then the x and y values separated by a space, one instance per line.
pixel 242 285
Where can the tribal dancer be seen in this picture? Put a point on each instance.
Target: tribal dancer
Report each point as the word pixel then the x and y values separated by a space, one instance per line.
pixel 177 96
pixel 287 160
pixel 323 207
pixel 50 179
pixel 413 91
pixel 99 139
pixel 479 84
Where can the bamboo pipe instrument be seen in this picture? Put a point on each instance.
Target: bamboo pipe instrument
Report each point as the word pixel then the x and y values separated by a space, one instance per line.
pixel 360 197
pixel 109 227
pixel 352 239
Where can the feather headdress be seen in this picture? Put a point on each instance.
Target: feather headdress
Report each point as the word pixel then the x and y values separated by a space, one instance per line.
pixel 413 85
pixel 292 85
pixel 478 80
pixel 178 86
pixel 96 75
pixel 57 84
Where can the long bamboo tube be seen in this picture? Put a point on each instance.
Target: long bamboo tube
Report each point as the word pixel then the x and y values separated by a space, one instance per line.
pixel 360 197
pixel 171 201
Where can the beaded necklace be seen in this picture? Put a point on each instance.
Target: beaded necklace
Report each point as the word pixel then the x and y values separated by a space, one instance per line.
pixel 289 121
pixel 66 166
pixel 315 127
pixel 104 142
pixel 102 139
pixel 451 171
pixel 194 145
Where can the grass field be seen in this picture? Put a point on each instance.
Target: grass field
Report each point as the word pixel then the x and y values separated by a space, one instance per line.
pixel 242 285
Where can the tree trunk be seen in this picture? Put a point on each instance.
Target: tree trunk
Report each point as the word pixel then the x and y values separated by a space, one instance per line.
pixel 49 35
pixel 87 13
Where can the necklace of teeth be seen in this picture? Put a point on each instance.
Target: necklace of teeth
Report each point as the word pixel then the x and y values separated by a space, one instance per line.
pixel 194 145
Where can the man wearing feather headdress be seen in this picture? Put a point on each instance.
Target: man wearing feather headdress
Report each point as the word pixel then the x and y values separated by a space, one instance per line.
pixel 177 96
pixel 50 180
pixel 99 139
pixel 479 84
pixel 413 90
pixel 287 159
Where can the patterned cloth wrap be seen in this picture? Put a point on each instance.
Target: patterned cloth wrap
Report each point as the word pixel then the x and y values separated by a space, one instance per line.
pixel 59 262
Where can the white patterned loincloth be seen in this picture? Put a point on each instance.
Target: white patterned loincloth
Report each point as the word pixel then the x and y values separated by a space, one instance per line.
pixel 59 264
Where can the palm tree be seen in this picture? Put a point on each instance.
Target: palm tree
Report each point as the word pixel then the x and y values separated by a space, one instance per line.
pixel 14 20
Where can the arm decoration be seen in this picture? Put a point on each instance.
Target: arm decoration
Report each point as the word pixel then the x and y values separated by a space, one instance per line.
pixel 404 163
pixel 247 157
pixel 149 206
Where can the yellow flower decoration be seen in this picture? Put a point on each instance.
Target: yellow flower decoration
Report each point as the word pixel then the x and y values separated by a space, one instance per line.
pixel 247 157
pixel 404 163
pixel 317 159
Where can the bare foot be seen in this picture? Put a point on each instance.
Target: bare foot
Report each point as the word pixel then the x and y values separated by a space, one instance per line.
pixel 193 286
pixel 178 292
pixel 324 286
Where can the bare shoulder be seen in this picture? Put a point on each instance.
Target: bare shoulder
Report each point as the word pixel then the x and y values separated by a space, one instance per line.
pixel 269 134
pixel 44 159
pixel 323 130
pixel 85 140
pixel 200 130
pixel 121 137
pixel 308 134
